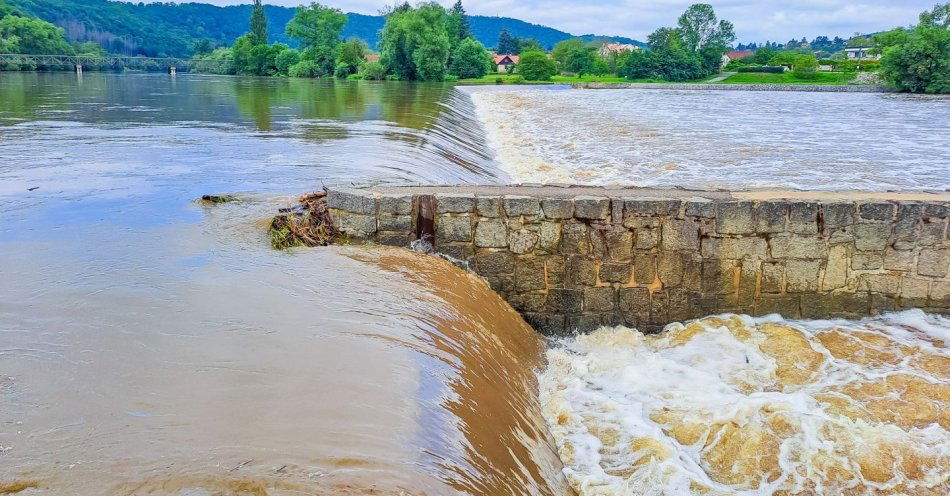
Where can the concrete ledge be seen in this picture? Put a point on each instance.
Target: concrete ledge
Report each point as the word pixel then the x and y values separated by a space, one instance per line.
pixel 574 258
pixel 827 88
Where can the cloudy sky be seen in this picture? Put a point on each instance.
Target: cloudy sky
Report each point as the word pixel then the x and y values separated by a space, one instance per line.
pixel 755 20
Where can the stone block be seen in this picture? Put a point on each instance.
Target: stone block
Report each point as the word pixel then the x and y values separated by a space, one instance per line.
pixel 581 271
pixel 395 204
pixel 488 206
pixel 633 301
pixel 455 203
pixel 679 235
pixel 650 207
pixel 838 214
pixel 575 238
pixel 565 301
pixel 770 216
pixel 773 277
pixel 395 222
pixel 881 283
pixel 876 211
pixel 353 201
pixel 748 280
pixel 461 252
pixel 940 292
pixel 453 228
pixel 500 283
pixel 646 238
pixel 591 207
pixel 522 205
pixel 700 207
pixel 557 208
pixel 546 323
pixel 898 259
pixel 644 268
pixel 533 302
pixel 745 247
pixel 803 217
pixel 937 210
pixel 357 225
pixel 867 260
pixel 932 232
pixel 494 262
pixel 615 272
pixel 801 275
pixel 522 240
pixel 908 220
pixel 394 239
pixel 491 233
pixel 840 304
pixel 934 262
pixel 881 303
pixel 619 244
pixel 836 269
pixel 670 267
pixel 915 288
pixel 549 236
pixel 710 247
pixel 529 274
pixel 555 267
pixel 872 237
pixel 798 246
pixel 599 299
pixel 584 323
pixel 735 217
pixel 786 306
pixel 719 277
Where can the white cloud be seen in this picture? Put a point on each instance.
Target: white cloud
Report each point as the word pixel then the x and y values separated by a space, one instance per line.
pixel 754 20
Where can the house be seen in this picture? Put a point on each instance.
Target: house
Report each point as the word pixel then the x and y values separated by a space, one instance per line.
pixel 861 53
pixel 608 49
pixel 502 62
pixel 736 55
pixel 371 57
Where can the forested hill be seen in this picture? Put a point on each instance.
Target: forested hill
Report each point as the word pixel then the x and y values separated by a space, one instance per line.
pixel 156 29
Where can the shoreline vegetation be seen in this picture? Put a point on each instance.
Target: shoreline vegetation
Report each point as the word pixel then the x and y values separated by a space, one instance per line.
pixel 430 43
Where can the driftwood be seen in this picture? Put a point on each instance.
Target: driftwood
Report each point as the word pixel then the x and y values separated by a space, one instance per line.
pixel 305 224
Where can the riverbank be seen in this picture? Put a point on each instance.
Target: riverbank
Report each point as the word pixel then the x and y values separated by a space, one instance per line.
pixel 828 88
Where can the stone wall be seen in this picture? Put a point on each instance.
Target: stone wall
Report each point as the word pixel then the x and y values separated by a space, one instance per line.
pixel 574 259
pixel 824 88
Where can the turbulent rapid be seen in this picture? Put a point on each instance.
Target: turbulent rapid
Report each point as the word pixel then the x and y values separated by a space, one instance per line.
pixel 730 404
pixel 718 139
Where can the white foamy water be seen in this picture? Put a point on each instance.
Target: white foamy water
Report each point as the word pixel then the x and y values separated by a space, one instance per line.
pixel 719 139
pixel 738 405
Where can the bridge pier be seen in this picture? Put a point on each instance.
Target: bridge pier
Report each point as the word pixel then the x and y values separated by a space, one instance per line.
pixel 172 70
pixel 78 68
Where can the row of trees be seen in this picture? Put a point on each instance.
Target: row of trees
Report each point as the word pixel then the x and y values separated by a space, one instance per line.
pixel 20 33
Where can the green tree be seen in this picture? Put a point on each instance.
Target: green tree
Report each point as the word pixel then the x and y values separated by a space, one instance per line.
pixel 665 39
pixel 414 43
pixel 457 24
pixel 806 67
pixel 317 29
pixel 471 59
pixel 785 57
pixel 258 24
pixel 919 61
pixel 33 36
pixel 373 71
pixel 352 54
pixel 763 55
pixel 203 46
pixel 529 45
pixel 563 48
pixel 580 60
pixel 285 60
pixel 700 28
pixel 507 44
pixel 536 66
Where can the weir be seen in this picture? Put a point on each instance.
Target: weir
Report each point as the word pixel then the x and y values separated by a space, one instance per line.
pixel 576 258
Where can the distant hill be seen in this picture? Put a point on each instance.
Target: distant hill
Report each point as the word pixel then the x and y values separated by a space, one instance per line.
pixel 156 29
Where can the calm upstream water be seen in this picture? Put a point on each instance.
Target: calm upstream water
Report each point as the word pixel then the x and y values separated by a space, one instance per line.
pixel 150 345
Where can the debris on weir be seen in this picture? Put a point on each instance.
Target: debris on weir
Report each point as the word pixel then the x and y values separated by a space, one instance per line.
pixel 305 224
pixel 216 199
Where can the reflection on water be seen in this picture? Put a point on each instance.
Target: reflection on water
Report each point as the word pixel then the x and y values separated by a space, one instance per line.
pixel 720 139
pixel 731 404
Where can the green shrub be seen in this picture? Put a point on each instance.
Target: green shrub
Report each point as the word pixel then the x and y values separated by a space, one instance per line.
pixel 470 59
pixel 285 59
pixel 355 77
pixel 305 69
pixel 373 71
pixel 499 80
pixel 806 67
pixel 536 66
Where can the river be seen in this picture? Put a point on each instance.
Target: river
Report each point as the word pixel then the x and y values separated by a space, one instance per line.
pixel 150 344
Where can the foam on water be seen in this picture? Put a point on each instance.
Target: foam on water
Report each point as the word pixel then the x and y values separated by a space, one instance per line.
pixel 718 139
pixel 731 404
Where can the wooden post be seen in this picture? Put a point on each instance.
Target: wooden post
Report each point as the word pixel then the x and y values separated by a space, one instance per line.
pixel 425 218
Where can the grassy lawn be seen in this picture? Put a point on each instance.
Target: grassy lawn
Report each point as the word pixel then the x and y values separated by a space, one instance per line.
pixel 788 78
pixel 494 78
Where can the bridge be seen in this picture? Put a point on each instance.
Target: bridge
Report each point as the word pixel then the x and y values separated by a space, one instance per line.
pixel 113 62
